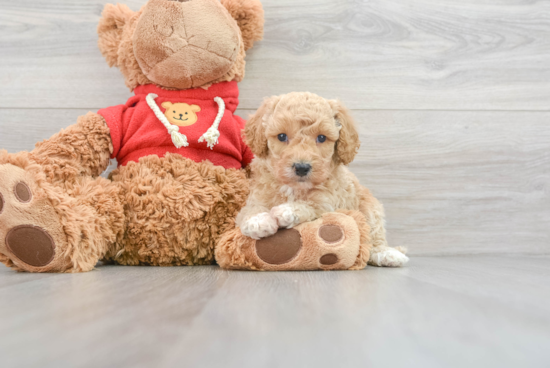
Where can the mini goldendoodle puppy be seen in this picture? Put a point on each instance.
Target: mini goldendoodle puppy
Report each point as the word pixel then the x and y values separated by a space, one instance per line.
pixel 302 144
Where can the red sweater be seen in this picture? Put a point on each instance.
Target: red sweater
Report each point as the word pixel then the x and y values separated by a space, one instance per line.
pixel 137 132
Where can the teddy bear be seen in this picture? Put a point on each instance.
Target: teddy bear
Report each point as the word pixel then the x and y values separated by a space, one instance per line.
pixel 182 176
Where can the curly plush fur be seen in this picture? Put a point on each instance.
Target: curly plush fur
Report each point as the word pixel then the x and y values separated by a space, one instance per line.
pixel 86 210
pixel 176 210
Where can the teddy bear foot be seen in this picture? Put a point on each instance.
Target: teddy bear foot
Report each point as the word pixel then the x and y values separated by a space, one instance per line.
pixel 329 243
pixel 31 234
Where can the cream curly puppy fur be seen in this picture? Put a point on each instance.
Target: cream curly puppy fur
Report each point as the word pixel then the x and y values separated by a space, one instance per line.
pixel 302 144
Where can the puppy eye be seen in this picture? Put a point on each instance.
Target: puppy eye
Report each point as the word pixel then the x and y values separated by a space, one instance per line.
pixel 321 139
pixel 282 137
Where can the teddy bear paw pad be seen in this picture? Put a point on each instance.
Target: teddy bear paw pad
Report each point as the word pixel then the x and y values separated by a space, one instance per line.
pixel 329 259
pixel 31 244
pixel 331 234
pixel 280 248
pixel 22 192
pixel 28 222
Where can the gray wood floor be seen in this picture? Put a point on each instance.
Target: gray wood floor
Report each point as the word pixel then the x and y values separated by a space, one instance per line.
pixel 461 311
pixel 453 102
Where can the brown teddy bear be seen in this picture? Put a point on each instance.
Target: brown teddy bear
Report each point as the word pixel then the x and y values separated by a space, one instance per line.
pixel 181 178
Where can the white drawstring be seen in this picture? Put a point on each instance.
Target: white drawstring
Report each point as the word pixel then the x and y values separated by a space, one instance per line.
pixel 179 139
pixel 212 134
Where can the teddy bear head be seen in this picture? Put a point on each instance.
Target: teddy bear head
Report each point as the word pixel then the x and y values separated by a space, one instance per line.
pixel 180 44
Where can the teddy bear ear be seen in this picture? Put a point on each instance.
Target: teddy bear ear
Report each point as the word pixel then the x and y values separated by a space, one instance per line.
pixel 195 108
pixel 111 25
pixel 249 15
pixel 166 105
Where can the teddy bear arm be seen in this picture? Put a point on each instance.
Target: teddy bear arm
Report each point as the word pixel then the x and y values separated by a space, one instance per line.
pixel 83 149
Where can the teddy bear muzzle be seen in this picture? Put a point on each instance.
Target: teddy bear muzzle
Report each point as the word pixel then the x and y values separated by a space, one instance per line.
pixel 185 44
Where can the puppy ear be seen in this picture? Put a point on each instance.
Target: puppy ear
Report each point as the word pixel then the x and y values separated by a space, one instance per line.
pixel 166 105
pixel 348 144
pixel 254 131
pixel 249 15
pixel 110 28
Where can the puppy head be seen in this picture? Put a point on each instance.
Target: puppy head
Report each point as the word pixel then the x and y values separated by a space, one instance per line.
pixel 303 137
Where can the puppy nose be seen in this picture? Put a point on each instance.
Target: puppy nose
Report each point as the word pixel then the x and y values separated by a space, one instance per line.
pixel 302 169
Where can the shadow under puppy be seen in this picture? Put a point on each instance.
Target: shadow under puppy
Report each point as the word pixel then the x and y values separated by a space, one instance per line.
pixel 306 210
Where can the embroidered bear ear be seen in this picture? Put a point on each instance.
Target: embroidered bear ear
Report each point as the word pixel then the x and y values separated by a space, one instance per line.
pixel 111 25
pixel 195 108
pixel 249 15
pixel 166 105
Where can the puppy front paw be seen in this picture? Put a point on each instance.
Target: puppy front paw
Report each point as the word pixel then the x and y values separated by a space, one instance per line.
pixel 285 216
pixel 260 226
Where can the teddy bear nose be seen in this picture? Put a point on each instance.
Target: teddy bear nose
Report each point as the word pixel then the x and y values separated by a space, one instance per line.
pixel 181 115
pixel 302 169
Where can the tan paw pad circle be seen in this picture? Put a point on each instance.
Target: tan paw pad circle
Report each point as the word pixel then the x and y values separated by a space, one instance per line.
pixel 280 248
pixel 331 234
pixel 31 244
pixel 23 192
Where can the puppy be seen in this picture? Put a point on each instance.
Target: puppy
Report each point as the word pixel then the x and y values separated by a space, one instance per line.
pixel 302 144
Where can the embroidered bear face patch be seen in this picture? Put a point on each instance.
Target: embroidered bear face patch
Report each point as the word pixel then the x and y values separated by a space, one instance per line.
pixel 181 114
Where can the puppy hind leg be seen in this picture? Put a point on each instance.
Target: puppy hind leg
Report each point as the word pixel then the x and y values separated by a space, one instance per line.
pixel 382 255
pixel 387 257
pixel 365 246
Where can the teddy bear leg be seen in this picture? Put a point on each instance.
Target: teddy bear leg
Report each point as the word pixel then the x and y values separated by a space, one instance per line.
pixel 83 149
pixel 43 228
pixel 176 210
pixel 54 216
pixel 336 241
